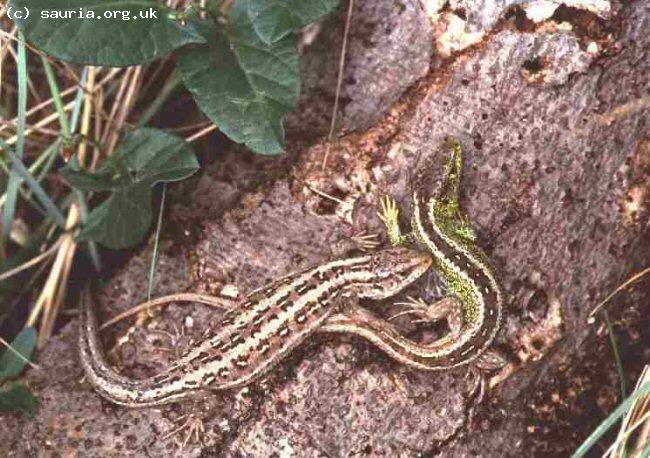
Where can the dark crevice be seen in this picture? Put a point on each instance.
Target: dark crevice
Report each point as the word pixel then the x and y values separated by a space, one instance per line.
pixel 534 65
pixel 585 23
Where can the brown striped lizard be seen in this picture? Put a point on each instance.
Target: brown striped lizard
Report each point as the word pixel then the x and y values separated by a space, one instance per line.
pixel 261 331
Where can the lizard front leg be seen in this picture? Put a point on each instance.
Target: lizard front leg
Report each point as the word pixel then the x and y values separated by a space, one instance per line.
pixel 389 215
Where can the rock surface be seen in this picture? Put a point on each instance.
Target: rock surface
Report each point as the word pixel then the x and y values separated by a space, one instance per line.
pixel 555 139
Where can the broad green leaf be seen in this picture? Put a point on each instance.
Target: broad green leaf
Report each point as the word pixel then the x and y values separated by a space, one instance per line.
pixel 121 220
pixel 275 19
pixel 88 181
pixel 152 155
pixel 18 398
pixel 244 85
pixel 144 158
pixel 10 363
pixel 112 33
pixel 146 155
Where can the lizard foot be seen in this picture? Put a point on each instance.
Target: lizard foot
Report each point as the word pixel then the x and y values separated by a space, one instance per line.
pixel 365 242
pixel 448 308
pixel 192 425
pixel 488 361
pixel 389 215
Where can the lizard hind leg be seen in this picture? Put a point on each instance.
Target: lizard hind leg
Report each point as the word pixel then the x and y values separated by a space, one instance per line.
pixel 478 371
pixel 448 308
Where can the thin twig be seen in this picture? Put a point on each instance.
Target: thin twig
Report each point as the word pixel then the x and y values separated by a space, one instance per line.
pixel 32 262
pixel 65 93
pixel 629 281
pixel 17 353
pixel 324 194
pixel 181 297
pixel 339 82
pixel 201 133
pixel 154 255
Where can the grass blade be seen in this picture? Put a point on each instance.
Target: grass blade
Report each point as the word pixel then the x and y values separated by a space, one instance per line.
pixel 610 420
pixel 154 257
pixel 58 102
pixel 617 355
pixel 14 179
pixel 76 111
pixel 21 171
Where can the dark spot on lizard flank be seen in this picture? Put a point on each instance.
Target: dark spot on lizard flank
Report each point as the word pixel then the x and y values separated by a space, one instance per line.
pixel 255 330
pixel 321 275
pixel 283 297
pixel 280 282
pixel 262 310
pixel 314 281
pixel 169 380
pixel 223 372
pixel 314 307
pixel 242 361
pixel 263 346
pixel 324 300
pixel 208 376
pixel 378 288
pixel 209 357
pixel 304 287
pixel 301 318
pixel 358 267
pixel 160 377
pixel 340 270
pixel 235 340
pixel 256 297
pixel 285 305
pixel 283 331
pixel 227 321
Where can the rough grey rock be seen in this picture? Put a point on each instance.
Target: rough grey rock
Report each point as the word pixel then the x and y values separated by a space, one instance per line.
pixel 389 48
pixel 550 164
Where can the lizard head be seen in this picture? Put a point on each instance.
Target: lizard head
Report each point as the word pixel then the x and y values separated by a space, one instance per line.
pixel 393 270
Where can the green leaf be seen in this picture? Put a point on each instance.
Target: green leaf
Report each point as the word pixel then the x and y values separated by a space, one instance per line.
pixel 87 181
pixel 144 158
pixel 10 363
pixel 152 155
pixel 244 85
pixel 88 36
pixel 121 220
pixel 146 155
pixel 18 398
pixel 275 19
